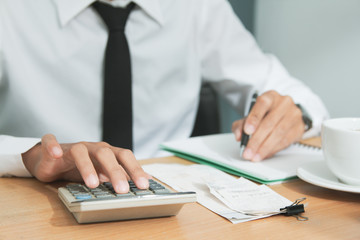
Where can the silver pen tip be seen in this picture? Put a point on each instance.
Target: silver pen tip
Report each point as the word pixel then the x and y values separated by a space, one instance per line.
pixel 242 148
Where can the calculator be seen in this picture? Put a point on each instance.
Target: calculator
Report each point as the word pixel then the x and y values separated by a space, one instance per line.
pixel 102 204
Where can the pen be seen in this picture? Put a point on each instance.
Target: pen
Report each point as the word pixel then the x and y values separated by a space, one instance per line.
pixel 244 137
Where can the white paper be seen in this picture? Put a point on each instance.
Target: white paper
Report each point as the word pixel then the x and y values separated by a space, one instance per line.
pixel 247 198
pixel 197 178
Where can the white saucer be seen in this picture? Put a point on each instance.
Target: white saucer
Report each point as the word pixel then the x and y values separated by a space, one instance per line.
pixel 318 173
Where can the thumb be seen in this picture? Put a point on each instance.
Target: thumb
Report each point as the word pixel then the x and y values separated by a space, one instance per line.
pixel 51 147
pixel 46 169
pixel 237 128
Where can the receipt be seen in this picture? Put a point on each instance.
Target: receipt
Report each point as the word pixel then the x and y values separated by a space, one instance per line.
pixel 246 197
pixel 232 198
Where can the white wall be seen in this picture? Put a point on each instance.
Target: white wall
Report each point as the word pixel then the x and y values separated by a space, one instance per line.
pixel 319 42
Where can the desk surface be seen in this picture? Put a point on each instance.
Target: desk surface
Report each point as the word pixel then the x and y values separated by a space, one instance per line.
pixel 32 210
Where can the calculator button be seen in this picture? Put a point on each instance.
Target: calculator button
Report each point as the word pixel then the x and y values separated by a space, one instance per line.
pixel 83 196
pixel 75 188
pixel 143 192
pixel 96 190
pixel 107 184
pixel 135 189
pixel 160 191
pixel 104 196
pixel 156 187
pixel 75 191
pixel 124 195
pixel 80 194
pixel 101 193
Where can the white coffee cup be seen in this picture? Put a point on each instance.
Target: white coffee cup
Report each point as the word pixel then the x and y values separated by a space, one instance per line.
pixel 340 139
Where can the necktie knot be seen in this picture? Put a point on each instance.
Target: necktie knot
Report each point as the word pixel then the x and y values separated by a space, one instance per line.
pixel 114 18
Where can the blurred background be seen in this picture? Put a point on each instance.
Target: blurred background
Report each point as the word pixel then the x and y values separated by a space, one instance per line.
pixel 318 41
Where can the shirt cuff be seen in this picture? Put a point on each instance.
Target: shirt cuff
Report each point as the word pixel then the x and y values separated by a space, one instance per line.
pixel 11 163
pixel 13 166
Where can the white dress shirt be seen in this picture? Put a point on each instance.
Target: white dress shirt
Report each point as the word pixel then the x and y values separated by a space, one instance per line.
pixel 51 68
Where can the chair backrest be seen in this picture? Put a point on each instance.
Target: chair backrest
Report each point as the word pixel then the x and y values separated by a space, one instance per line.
pixel 208 119
pixel 208 116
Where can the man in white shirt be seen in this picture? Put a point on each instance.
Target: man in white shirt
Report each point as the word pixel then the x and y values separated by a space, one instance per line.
pixel 51 63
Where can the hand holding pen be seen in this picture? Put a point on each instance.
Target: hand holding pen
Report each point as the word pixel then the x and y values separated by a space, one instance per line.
pixel 274 122
pixel 245 137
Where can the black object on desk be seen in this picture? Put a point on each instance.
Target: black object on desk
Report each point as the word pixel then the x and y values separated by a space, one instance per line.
pixel 244 137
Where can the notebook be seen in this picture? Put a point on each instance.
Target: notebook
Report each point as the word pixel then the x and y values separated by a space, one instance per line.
pixel 223 152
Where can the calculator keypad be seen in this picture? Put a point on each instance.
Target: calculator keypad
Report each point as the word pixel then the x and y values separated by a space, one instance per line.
pixel 106 191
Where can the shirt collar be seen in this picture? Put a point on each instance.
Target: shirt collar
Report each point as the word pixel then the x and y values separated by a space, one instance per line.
pixel 152 8
pixel 69 9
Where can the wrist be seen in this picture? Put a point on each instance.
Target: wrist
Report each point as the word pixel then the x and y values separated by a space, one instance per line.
pixel 31 157
pixel 305 117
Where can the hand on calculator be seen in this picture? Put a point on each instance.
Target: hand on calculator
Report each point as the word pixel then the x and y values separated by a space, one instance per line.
pixel 92 162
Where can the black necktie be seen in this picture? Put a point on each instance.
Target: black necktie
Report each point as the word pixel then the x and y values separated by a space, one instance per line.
pixel 117 99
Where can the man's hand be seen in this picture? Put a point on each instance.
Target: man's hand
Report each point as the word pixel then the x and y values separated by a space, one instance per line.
pixel 88 161
pixel 273 123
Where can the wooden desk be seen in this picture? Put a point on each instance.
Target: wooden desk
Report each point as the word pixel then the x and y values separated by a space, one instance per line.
pixel 32 210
